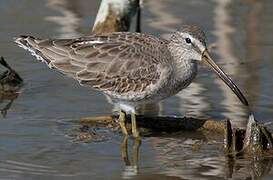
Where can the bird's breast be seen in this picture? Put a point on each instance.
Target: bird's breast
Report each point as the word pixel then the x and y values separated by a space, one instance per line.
pixel 182 76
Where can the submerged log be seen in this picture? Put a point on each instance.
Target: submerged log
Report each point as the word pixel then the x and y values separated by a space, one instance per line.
pixel 155 124
pixel 255 141
pixel 252 141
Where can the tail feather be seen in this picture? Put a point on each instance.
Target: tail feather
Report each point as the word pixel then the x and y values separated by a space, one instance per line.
pixel 31 44
pixel 55 53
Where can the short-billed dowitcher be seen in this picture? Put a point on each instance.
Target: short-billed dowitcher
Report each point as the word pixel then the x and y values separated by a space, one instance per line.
pixel 131 68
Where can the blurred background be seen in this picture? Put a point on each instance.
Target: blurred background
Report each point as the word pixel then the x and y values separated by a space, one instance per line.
pixel 35 136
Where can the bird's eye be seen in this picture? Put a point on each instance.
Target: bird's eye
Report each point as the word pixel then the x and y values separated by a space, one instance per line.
pixel 188 40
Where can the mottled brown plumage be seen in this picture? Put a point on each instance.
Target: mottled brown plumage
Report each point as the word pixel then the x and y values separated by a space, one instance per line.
pixel 116 62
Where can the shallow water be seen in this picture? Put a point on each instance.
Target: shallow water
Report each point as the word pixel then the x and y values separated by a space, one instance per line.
pixel 35 136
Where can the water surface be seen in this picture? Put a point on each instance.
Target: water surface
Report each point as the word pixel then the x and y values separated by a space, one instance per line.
pixel 35 136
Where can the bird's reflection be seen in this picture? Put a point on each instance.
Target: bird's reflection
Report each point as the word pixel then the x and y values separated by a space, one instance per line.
pixel 10 83
pixel 131 163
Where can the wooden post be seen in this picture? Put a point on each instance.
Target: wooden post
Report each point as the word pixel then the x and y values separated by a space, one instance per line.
pixel 115 16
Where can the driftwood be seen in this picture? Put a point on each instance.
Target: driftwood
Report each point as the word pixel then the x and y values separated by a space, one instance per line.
pixel 256 140
pixel 253 141
pixel 159 123
pixel 116 16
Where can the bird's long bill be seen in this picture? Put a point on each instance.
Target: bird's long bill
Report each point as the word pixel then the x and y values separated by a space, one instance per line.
pixel 207 59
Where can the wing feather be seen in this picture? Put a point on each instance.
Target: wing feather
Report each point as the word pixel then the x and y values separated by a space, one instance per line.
pixel 117 62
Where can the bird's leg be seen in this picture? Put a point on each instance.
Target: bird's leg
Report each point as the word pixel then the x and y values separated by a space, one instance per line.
pixel 121 121
pixel 134 126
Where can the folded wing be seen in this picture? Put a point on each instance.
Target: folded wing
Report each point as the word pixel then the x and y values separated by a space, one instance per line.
pixel 117 63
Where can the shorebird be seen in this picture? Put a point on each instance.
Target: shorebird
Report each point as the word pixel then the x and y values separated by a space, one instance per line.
pixel 131 68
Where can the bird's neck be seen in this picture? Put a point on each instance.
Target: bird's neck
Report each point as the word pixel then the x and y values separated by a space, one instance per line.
pixel 185 69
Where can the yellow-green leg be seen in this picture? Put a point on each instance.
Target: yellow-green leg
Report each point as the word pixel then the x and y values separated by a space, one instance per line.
pixel 134 126
pixel 121 121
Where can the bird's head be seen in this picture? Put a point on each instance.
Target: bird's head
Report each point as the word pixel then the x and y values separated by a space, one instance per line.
pixel 189 43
